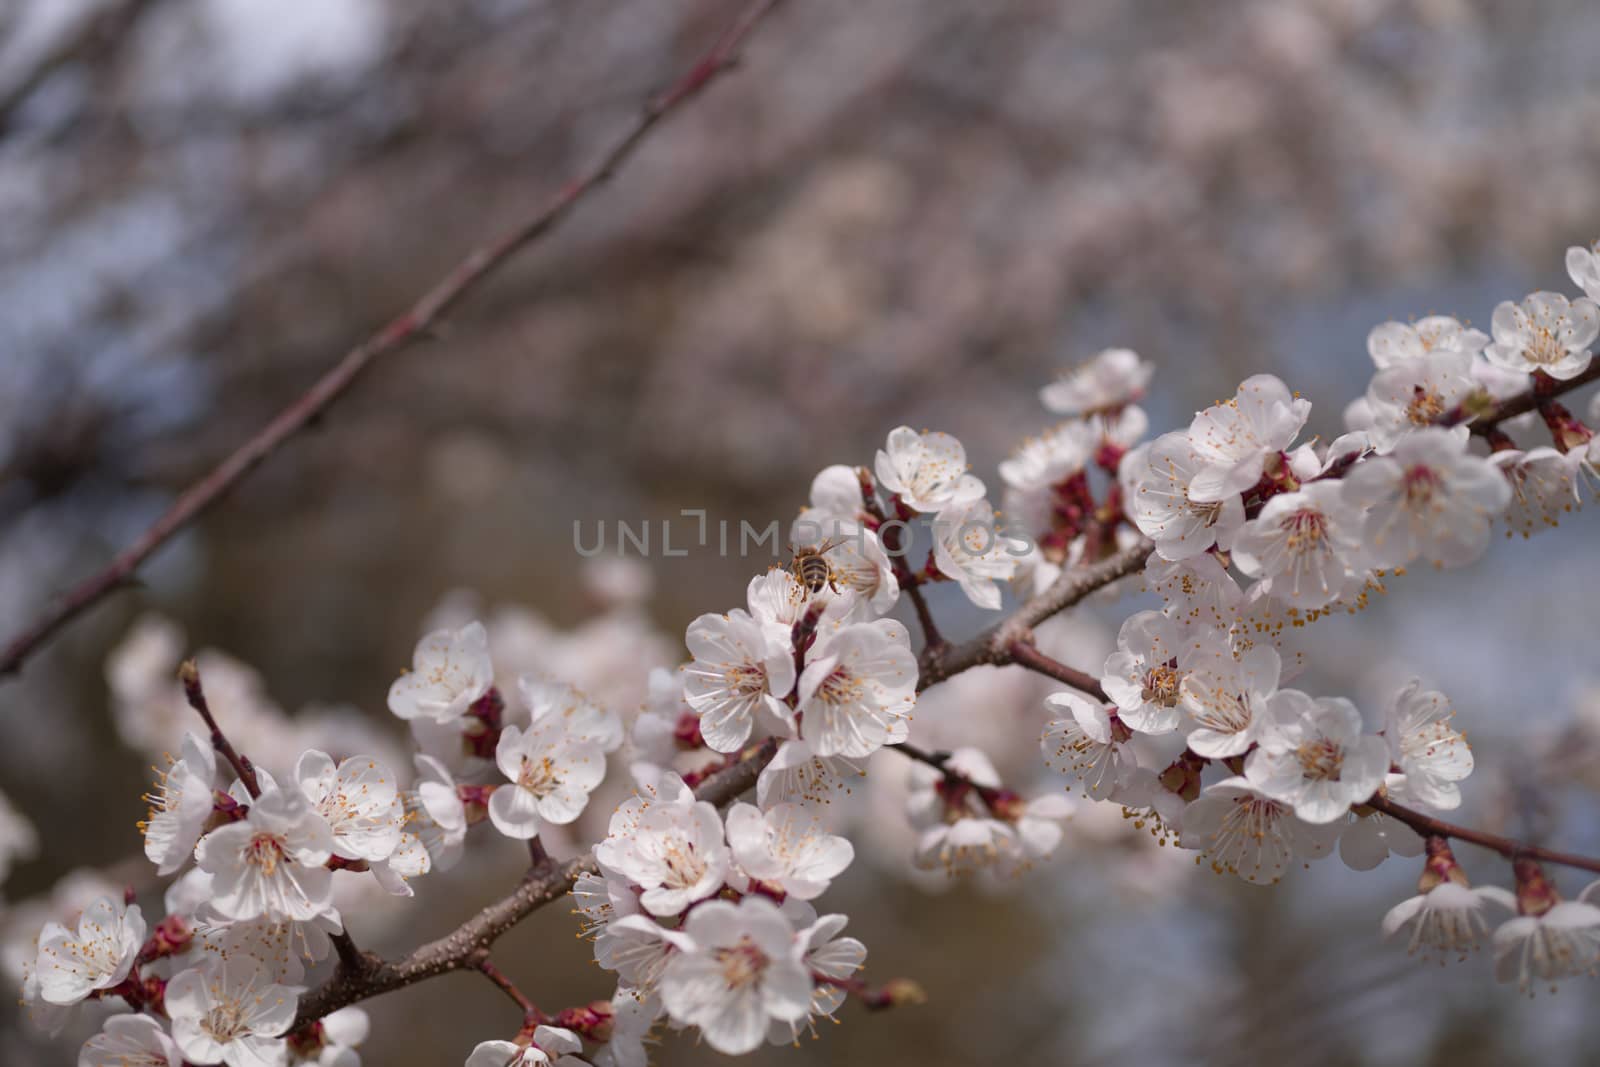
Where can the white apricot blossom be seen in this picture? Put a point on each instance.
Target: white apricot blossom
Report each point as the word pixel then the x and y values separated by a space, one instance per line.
pixel 1235 439
pixel 98 954
pixel 1083 739
pixel 857 689
pixel 1447 918
pixel 927 470
pixel 1315 757
pixel 787 847
pixel 130 1041
pixel 1432 754
pixel 1304 546
pixel 1239 829
pixel 1113 378
pixel 1158 484
pixel 271 862
pixel 970 548
pixel 739 969
pixel 450 669
pixel 739 669
pixel 1427 498
pixel 180 805
pixel 551 773
pixel 358 798
pixel 1546 332
pixel 228 1010
pixel 1393 344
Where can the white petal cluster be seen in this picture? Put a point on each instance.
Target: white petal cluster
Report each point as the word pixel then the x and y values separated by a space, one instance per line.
pixel 706 920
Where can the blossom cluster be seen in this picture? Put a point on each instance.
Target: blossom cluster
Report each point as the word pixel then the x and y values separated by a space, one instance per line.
pixel 709 916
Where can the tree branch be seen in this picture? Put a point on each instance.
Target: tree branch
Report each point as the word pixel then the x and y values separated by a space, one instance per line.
pixel 997 644
pixel 1506 846
pixel 189 674
pixel 470 942
pixel 398 334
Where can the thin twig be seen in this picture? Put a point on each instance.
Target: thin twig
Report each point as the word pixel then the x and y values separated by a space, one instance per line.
pixel 465 944
pixel 995 645
pixel 398 334
pixel 1026 654
pixel 1506 846
pixel 1528 400
pixel 530 1013
pixel 189 674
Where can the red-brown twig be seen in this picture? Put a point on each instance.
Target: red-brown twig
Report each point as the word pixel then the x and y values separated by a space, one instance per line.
pixel 189 674
pixel 530 1013
pixel 398 334
pixel 1506 846
pixel 1026 654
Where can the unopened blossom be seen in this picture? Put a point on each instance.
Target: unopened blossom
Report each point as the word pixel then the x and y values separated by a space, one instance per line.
pixel 1427 498
pixel 1393 344
pixel 927 471
pixel 1158 484
pixel 1545 332
pixel 551 775
pixel 450 669
pixel 1563 942
pixel 824 952
pixel 436 813
pixel 1304 546
pixel 1234 439
pixel 673 851
pixel 1241 830
pixel 857 690
pixel 551 1045
pixel 1432 754
pixel 1144 676
pixel 1417 393
pixel 1226 698
pixel 271 862
pixel 1115 377
pixel 1083 739
pixel 970 548
pixel 787 847
pixel 740 969
pixel 98 954
pixel 1544 487
pixel 1447 918
pixel 180 805
pixel 739 669
pixel 1315 757
pixel 229 1011
pixel 130 1041
pixel 358 798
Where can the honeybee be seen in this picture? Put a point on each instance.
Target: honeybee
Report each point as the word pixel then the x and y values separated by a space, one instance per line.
pixel 811 568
